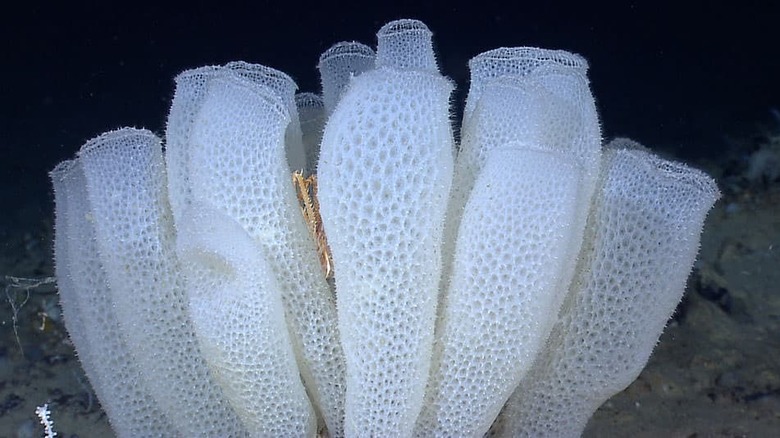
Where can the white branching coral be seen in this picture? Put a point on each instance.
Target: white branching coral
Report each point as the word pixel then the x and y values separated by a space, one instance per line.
pixel 43 414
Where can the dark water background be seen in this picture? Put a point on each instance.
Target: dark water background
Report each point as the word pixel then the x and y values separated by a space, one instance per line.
pixel 682 78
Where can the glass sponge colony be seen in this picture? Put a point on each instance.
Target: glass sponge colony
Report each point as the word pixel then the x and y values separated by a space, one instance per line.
pixel 507 284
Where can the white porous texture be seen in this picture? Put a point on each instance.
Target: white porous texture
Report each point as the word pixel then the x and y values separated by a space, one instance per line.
pixel 125 182
pixel 512 109
pixel 283 87
pixel 406 45
pixel 506 288
pixel 236 307
pixel 338 65
pixel 515 109
pixel 531 96
pixel 238 165
pixel 239 127
pixel 533 273
pixel 384 173
pixel 311 112
pixel 89 314
pixel 191 88
pixel 513 61
pixel 642 241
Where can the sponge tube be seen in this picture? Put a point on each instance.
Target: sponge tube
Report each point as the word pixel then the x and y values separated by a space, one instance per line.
pixel 90 316
pixel 236 308
pixel 237 162
pixel 384 177
pixel 643 237
pixel 125 183
pixel 514 244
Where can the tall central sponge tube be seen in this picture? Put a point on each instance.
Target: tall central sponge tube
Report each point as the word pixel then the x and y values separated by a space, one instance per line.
pixel 384 177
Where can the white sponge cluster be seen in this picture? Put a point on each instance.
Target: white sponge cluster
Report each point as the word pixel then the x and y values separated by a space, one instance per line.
pixel 236 155
pixel 508 285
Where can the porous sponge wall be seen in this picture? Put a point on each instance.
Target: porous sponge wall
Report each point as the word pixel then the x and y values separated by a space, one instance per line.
pixel 125 182
pixel 90 317
pixel 385 166
pixel 237 161
pixel 643 237
pixel 515 237
pixel 406 45
pixel 516 62
pixel 338 65
pixel 533 96
pixel 236 307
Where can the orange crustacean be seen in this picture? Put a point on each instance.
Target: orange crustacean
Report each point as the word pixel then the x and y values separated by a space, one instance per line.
pixel 306 189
